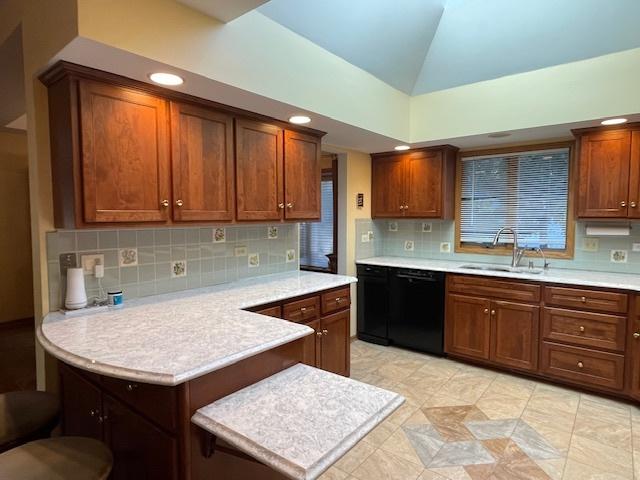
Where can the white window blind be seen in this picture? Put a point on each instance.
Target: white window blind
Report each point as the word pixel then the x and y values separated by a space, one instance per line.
pixel 316 238
pixel 527 191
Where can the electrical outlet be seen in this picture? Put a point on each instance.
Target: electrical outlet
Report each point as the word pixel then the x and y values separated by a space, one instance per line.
pixel 364 238
pixel 67 260
pixel 409 246
pixel 370 233
pixel 240 251
pixel 445 247
pixel 590 244
pixel 635 247
pixel 89 263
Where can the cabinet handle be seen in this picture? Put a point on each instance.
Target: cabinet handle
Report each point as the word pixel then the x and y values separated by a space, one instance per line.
pixel 636 334
pixel 406 207
pixel 338 299
pixel 281 206
pixel 303 309
pixel 633 204
pixel 401 207
pixel 290 205
pixel 583 299
pixel 102 419
pixel 581 328
pixel 179 203
pixel 131 387
pixel 486 310
pixel 325 332
pixel 493 312
pixel 623 204
pixel 164 203
pixel 319 334
pixel 580 365
pixel 93 413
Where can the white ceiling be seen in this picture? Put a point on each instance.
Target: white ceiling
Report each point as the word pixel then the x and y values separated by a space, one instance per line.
pixel 420 46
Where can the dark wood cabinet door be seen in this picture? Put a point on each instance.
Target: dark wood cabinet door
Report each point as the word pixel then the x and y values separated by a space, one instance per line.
pixel 387 186
pixel 633 351
pixel 335 343
pixel 202 162
pixel 125 154
pixel 313 345
pixel 259 178
pixel 140 450
pixel 81 405
pixel 634 176
pixel 468 326
pixel 604 174
pixel 423 184
pixel 301 176
pixel 514 335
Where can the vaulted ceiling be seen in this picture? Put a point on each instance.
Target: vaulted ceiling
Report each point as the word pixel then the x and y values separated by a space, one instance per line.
pixel 420 46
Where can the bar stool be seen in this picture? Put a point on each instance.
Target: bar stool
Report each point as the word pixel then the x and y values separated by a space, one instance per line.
pixel 26 416
pixel 59 458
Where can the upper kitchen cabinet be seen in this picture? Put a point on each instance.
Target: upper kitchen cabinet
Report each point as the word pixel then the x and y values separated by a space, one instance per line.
pixel 202 161
pixel 259 176
pixel 301 176
pixel 127 153
pixel 414 184
pixel 609 173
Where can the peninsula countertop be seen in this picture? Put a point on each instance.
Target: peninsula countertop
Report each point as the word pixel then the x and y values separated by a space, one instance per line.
pixel 173 338
pixel 585 278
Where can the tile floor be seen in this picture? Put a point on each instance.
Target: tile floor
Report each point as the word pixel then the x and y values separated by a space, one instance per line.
pixel 461 422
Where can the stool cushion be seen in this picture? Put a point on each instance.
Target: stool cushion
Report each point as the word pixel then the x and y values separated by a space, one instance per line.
pixel 24 414
pixel 60 458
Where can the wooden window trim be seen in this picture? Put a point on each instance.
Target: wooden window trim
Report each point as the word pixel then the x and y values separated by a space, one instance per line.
pixel 568 252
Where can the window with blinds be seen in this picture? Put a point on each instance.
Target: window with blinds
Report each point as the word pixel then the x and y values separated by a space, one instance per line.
pixel 316 238
pixel 526 190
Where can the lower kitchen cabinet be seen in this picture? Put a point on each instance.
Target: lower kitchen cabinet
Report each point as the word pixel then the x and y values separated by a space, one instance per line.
pixel 129 436
pixel 514 335
pixel 634 351
pixel 81 405
pixel 468 326
pixel 313 345
pixel 334 353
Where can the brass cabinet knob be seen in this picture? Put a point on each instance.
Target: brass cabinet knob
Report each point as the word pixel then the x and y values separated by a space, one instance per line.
pixel 179 203
pixel 583 299
pixel 486 310
pixel 401 207
pixel 581 328
pixel 325 332
pixel 93 413
pixel 303 309
pixel 102 419
pixel 281 206
pixel 633 204
pixel 164 203
pixel 493 312
pixel 319 334
pixel 636 334
pixel 406 207
pixel 338 299
pixel 131 387
pixel 290 205
pixel 623 204
pixel 580 365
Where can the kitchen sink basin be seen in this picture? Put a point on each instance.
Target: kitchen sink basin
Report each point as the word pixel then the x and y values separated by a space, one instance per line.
pixel 502 268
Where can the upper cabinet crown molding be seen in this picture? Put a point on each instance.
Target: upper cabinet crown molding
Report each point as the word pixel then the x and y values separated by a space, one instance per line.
pixel 609 172
pixel 417 183
pixel 128 153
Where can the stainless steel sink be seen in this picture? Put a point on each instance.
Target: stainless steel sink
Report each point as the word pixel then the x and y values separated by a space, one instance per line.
pixel 502 268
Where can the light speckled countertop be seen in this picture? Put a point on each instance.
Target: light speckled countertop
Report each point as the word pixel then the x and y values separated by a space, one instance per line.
pixel 298 421
pixel 169 339
pixel 622 281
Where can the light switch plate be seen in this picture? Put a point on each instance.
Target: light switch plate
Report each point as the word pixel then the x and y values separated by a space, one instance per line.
pixel 67 260
pixel 590 244
pixel 427 227
pixel 89 262
pixel 635 247
pixel 370 233
pixel 364 238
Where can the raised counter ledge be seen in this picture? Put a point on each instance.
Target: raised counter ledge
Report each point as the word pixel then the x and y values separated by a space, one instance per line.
pixel 299 421
pixel 585 278
pixel 173 338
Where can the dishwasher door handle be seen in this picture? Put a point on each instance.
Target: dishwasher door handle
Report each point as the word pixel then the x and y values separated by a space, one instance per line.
pixel 422 279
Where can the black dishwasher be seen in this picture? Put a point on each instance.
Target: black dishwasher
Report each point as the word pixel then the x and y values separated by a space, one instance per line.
pixel 417 310
pixel 373 304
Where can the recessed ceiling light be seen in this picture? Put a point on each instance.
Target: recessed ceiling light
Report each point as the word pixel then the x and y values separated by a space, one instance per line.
pixel 401 147
pixel 614 121
pixel 164 78
pixel 499 135
pixel 299 119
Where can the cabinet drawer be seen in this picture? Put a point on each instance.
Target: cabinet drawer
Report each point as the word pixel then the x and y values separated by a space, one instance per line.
pixel 156 402
pixel 302 311
pixel 587 299
pixel 503 289
pixel 595 330
pixel 583 365
pixel 269 311
pixel 336 300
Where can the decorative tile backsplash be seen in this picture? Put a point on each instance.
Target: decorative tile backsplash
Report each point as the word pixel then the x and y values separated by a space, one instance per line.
pixel 435 239
pixel 152 261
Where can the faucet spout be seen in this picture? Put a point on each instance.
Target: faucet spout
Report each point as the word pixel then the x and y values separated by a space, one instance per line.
pixel 517 252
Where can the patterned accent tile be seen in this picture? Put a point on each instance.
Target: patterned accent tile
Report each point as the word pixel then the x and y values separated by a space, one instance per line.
pixel 532 443
pixel 492 429
pixel 460 454
pixel 449 421
pixel 425 440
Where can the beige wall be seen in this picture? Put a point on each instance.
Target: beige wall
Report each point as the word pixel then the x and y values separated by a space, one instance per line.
pixel 354 176
pixel 16 281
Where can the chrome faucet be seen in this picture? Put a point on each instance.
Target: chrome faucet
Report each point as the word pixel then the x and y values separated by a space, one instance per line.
pixel 517 252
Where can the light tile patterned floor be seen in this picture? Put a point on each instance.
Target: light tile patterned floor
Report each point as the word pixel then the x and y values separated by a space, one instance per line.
pixel 461 422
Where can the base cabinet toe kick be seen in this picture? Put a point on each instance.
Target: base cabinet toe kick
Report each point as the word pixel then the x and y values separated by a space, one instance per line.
pixel 582 337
